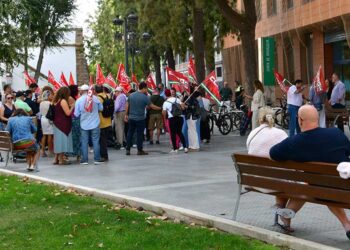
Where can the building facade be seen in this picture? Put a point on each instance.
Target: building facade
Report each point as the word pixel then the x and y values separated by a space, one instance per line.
pixel 69 57
pixel 295 37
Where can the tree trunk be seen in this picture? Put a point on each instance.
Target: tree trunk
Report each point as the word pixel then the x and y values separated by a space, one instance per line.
pixel 198 41
pixel 40 61
pixel 145 64
pixel 156 63
pixel 210 60
pixel 169 57
pixel 250 61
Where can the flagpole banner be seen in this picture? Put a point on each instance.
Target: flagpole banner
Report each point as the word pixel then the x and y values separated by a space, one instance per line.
pixel 281 81
pixel 319 82
pixel 178 80
pixel 210 93
pixel 192 71
pixel 100 79
pixel 211 87
pixel 123 79
pixel 63 80
pixel 71 79
pixel 150 82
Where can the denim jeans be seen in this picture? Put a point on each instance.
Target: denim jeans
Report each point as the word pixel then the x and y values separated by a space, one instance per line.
pixel 95 137
pixel 139 127
pixel 185 130
pixel 293 119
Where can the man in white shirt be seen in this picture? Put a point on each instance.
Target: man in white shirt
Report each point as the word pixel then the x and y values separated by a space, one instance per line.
pixel 294 101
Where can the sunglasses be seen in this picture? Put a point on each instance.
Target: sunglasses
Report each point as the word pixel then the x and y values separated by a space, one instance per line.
pixel 9 98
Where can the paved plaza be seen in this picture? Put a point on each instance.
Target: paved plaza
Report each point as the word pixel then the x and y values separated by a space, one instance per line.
pixel 204 181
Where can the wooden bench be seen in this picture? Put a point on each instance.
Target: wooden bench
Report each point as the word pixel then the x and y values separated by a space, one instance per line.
pixel 6 145
pixel 313 182
pixel 335 115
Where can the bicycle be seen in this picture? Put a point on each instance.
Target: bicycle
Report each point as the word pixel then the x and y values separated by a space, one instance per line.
pixel 221 119
pixel 281 114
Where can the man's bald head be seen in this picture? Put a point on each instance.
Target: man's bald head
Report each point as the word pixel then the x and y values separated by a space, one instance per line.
pixel 307 117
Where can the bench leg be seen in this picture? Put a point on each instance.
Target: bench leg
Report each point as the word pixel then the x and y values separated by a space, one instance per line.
pixel 7 158
pixel 237 202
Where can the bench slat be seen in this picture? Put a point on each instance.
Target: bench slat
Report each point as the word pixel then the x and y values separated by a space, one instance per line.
pixel 311 167
pixel 287 174
pixel 297 189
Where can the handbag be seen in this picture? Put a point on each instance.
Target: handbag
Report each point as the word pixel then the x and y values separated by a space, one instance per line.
pixel 50 115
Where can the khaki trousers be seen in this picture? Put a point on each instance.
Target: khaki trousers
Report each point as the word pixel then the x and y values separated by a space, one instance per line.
pixel 119 127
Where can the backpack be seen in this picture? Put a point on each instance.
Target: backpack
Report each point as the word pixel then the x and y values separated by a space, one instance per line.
pixel 108 107
pixel 175 109
pixel 50 115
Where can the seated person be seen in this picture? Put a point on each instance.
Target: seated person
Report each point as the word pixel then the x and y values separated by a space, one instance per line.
pixel 313 144
pixel 21 128
pixel 262 138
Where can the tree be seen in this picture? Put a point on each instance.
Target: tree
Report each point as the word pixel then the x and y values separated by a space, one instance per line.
pixel 48 20
pixel 245 22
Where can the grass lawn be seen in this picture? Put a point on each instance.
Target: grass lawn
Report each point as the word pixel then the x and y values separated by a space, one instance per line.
pixel 38 216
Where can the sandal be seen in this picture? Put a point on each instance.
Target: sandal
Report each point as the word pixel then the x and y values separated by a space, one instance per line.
pixel 64 163
pixel 286 229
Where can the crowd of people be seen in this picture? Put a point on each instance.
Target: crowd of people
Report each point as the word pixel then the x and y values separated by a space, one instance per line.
pixel 65 127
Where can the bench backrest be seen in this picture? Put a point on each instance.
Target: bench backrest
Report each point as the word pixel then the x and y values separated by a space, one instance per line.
pixel 313 181
pixel 5 141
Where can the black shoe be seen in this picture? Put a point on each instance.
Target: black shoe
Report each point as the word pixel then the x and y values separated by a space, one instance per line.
pixel 127 152
pixel 157 142
pixel 150 142
pixel 348 234
pixel 118 146
pixel 104 159
pixel 141 152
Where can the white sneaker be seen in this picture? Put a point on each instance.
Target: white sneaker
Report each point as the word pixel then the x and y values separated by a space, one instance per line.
pixel 84 163
pixel 174 151
pixel 186 150
pixel 181 148
pixel 91 150
pixel 134 146
pixel 122 148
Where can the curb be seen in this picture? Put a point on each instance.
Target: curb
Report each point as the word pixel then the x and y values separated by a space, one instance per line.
pixel 188 216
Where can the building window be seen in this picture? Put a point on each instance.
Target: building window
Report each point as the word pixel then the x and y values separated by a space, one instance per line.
pixel 218 72
pixel 258 9
pixel 287 4
pixel 271 7
pixel 307 1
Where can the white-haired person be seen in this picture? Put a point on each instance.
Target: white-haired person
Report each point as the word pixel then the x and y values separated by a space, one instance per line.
pixel 264 137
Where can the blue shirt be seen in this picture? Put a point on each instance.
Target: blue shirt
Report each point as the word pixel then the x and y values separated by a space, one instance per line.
pixel 319 144
pixel 338 92
pixel 21 128
pixel 120 102
pixel 88 120
pixel 137 106
pixel 315 99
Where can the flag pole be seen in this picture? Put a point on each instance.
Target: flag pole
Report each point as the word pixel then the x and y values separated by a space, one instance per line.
pixel 210 93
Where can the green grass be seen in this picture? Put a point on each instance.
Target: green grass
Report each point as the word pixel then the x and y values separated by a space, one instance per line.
pixel 37 216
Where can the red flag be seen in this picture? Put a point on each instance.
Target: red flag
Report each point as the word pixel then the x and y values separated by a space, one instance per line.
pixel 281 81
pixel 319 83
pixel 178 80
pixel 71 79
pixel 28 79
pixel 91 82
pixel 63 80
pixel 100 79
pixel 110 81
pixel 192 71
pixel 126 87
pixel 122 76
pixel 89 100
pixel 210 84
pixel 150 82
pixel 51 79
pixel 134 80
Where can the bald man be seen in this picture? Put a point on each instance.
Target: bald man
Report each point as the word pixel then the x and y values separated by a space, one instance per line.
pixel 313 144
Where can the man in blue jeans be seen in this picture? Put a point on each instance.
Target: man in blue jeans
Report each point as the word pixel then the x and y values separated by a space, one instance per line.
pixel 89 124
pixel 135 115
pixel 338 97
pixel 294 101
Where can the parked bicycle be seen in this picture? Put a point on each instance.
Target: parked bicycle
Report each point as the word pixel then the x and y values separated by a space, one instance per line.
pixel 282 115
pixel 222 119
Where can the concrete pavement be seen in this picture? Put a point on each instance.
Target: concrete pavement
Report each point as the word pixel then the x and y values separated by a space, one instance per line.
pixel 203 181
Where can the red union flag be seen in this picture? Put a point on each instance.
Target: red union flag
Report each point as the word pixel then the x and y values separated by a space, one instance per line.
pixel 150 82
pixel 71 79
pixel 122 76
pixel 211 87
pixel 89 100
pixel 125 86
pixel 100 79
pixel 134 80
pixel 178 80
pixel 192 71
pixel 110 81
pixel 63 80
pixel 319 83
pixel 282 82
pixel 51 79
pixel 28 79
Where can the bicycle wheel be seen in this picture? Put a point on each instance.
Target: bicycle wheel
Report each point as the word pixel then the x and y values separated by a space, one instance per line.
pixel 211 124
pixel 225 124
pixel 285 120
pixel 237 119
pixel 279 118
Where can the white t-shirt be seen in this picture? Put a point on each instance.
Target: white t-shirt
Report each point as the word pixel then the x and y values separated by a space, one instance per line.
pixel 263 138
pixel 206 103
pixel 293 98
pixel 168 105
pixel 258 100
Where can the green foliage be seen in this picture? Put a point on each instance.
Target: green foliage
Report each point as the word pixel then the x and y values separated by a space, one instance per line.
pixel 36 216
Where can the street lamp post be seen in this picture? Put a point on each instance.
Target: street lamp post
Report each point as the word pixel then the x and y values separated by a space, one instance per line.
pixel 130 38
